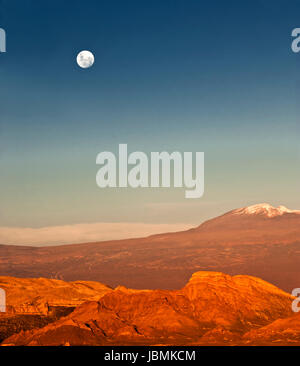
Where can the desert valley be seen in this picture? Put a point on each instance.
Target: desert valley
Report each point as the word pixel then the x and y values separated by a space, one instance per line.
pixel 226 282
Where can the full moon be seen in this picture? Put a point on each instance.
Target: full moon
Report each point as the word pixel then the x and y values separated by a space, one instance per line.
pixel 85 59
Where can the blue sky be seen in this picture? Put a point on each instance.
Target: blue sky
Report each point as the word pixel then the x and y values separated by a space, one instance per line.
pixel 212 76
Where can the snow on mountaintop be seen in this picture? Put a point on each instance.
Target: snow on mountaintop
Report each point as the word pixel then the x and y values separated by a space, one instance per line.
pixel 264 209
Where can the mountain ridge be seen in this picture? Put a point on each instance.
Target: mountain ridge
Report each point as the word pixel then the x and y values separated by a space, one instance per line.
pixel 258 245
pixel 212 308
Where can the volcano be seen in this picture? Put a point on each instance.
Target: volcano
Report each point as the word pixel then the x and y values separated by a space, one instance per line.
pixel 259 240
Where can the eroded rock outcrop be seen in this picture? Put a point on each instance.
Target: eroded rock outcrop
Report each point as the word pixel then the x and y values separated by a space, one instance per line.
pixel 213 308
pixel 42 296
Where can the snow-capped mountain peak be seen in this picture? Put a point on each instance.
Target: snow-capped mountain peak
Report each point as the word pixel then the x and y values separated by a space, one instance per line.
pixel 264 209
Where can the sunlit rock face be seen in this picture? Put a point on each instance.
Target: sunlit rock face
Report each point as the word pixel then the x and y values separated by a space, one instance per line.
pixel 212 308
pixel 42 295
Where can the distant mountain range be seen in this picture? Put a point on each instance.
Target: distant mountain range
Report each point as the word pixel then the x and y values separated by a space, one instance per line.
pixel 258 240
pixel 211 309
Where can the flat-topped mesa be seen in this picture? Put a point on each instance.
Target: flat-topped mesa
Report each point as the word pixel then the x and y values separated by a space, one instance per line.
pixel 130 290
pixel 207 276
pixel 40 295
pixel 239 280
pixel 264 209
pixel 218 281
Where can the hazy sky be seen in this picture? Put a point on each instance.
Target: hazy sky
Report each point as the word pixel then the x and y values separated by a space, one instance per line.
pixel 212 76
